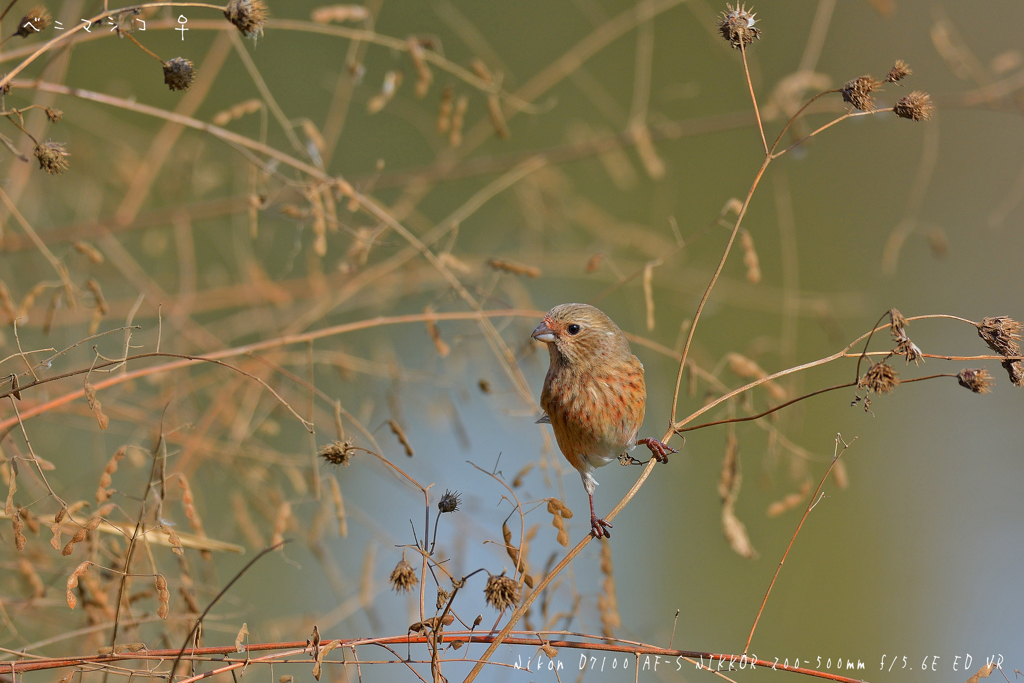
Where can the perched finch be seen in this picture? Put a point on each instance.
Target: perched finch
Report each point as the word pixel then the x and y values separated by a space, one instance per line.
pixel 594 393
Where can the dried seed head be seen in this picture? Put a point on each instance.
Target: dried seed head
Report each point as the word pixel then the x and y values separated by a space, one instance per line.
pixel 737 26
pixel 881 378
pixel 38 19
pixel 979 381
pixel 449 501
pixel 52 156
pixel 1002 334
pixel 858 92
pixel 442 597
pixel 7 86
pixel 55 115
pixel 897 324
pixel 179 73
pixel 403 578
pixel 247 15
pixel 898 72
pixel 338 453
pixel 501 592
pixel 909 350
pixel 917 106
pixel 1015 369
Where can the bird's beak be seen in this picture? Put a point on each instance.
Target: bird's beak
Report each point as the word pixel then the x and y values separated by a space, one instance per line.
pixel 543 333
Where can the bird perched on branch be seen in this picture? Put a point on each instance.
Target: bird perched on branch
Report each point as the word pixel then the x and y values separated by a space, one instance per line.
pixel 594 393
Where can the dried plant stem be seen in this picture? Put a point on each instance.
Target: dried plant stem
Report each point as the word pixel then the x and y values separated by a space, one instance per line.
pixel 524 638
pixel 811 503
pixel 62 271
pixel 142 47
pixel 217 598
pixel 753 98
pixel 186 361
pixel 64 37
pixel 707 292
pixel 848 115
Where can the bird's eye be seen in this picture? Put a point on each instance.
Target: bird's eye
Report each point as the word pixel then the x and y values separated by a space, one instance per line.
pixel 573 329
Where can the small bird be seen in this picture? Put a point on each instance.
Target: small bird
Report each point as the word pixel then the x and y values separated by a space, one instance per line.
pixel 594 393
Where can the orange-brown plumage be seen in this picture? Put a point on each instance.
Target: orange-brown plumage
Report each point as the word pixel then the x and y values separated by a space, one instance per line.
pixel 594 393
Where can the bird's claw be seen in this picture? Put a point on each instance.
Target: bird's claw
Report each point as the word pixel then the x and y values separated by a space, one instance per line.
pixel 659 450
pixel 599 527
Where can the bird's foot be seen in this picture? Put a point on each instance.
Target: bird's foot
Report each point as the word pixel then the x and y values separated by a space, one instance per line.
pixel 659 450
pixel 599 527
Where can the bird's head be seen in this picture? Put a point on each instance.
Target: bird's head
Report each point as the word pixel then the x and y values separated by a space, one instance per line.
pixel 581 335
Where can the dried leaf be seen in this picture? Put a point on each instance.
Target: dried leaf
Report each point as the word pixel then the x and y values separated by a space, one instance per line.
pixel 983 672
pixel 241 637
pixel 320 657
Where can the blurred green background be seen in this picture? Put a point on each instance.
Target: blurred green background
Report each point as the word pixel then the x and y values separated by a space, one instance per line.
pixel 919 557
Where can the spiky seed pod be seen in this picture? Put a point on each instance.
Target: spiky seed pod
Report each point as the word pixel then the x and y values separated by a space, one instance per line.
pixel 247 15
pixel 179 73
pixel 338 453
pixel 403 577
pixel 1015 369
pixel 52 156
pixel 979 381
pixel 1002 334
pixel 449 501
pixel 38 19
pixel 898 72
pixel 858 92
pixel 737 26
pixel 880 378
pixel 917 106
pixel 501 592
